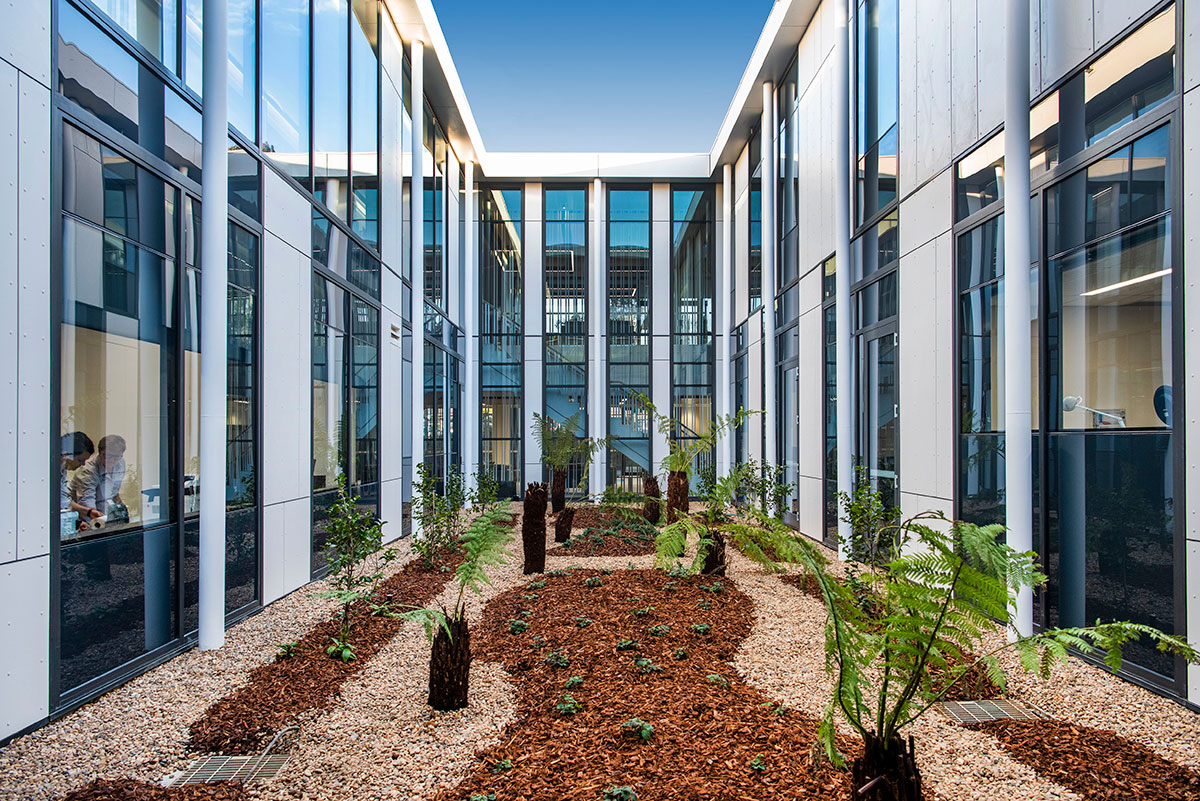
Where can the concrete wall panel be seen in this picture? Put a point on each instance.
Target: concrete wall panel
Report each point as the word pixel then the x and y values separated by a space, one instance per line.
pixel 25 38
pixel 964 75
pixel 10 203
pixel 25 626
pixel 926 214
pixel 287 548
pixel 1111 17
pixel 990 27
pixel 1066 37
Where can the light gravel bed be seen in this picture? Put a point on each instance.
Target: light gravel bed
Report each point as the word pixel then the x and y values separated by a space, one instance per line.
pixel 785 657
pixel 139 730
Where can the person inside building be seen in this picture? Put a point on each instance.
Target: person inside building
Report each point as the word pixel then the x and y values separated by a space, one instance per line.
pixel 77 448
pixel 96 487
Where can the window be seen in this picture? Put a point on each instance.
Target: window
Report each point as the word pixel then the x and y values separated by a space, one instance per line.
pixel 331 105
pixel 435 209
pixel 364 121
pixel 829 481
pixel 345 403
pixel 878 60
pixel 501 325
pixel 242 70
pixel 788 172
pixel 979 178
pixel 565 263
pixel 692 289
pixel 285 86
pixel 630 282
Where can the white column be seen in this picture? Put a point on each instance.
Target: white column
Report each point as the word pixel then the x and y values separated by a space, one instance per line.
pixel 470 319
pixel 417 244
pixel 1018 479
pixel 598 314
pixel 214 325
pixel 724 309
pixel 769 185
pixel 841 199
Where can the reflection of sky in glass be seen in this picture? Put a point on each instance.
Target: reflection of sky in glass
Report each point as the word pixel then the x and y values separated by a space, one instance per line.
pixel 614 76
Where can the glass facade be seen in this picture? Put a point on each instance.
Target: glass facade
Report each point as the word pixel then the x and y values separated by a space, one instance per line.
pixel 692 300
pixel 630 283
pixel 878 105
pixel 501 331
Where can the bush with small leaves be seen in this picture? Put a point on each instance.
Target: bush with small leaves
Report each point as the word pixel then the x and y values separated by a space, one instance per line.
pixel 701 628
pixel 659 630
pixel 573 682
pixel 517 626
pixel 568 705
pixel 340 649
pixel 646 665
pixel 555 659
pixel 716 588
pixel 535 585
pixel 593 581
pixel 643 612
pixel 583 622
pixel 627 645
pixel 286 650
pixel 680 653
pixel 717 679
pixel 758 763
pixel 623 793
pixel 502 765
pixel 638 728
pixel 538 643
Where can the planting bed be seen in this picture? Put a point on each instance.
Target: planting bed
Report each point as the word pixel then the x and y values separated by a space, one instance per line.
pixel 128 790
pixel 606 542
pixel 281 690
pixel 714 736
pixel 1096 764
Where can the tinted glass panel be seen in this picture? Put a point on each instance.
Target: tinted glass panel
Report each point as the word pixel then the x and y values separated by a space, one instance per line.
pixel 980 178
pixel 331 135
pixel 285 85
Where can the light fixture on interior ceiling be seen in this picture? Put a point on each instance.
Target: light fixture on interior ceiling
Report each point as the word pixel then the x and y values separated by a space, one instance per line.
pixel 1123 284
pixel 1072 402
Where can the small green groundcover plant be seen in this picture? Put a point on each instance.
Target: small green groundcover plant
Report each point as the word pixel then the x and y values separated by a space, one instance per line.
pixel 638 728
pixel 620 793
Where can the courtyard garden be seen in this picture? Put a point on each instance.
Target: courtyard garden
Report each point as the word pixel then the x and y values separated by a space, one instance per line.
pixel 634 646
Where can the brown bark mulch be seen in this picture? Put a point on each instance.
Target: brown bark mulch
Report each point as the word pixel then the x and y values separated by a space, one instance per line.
pixel 279 691
pixel 1095 763
pixel 592 516
pixel 714 737
pixel 130 790
pixel 606 542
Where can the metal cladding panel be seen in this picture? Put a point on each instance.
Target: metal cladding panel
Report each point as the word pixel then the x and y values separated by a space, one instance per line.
pixel 9 334
pixel 391 424
pixel 964 74
pixel 534 400
pixel 24 622
pixel 286 547
pixel 287 377
pixel 392 196
pixel 1191 45
pixel 1191 345
pixel 990 89
pixel 1112 17
pixel 1192 569
pixel 286 213
pixel 1066 37
pixel 926 371
pixel 25 38
pixel 812 500
pixel 925 71
pixel 754 393
pixel 391 508
pixel 741 236
pixel 811 396
pixel 926 213
pixel 534 289
pixel 33 317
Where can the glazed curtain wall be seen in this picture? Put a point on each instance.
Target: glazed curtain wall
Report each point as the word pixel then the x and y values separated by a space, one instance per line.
pixel 1105 455
pixel 128 406
pixel 501 328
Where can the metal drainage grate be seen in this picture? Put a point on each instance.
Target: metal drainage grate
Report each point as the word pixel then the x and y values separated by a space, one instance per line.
pixel 983 711
pixel 206 770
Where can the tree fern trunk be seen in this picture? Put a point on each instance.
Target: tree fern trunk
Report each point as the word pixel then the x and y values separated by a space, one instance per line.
pixel 450 666
pixel 558 490
pixel 533 528
pixel 677 495
pixel 562 525
pixel 653 508
pixel 714 560
pixel 886 771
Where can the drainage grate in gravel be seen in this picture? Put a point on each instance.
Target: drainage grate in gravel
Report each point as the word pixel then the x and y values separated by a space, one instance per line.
pixel 981 711
pixel 220 768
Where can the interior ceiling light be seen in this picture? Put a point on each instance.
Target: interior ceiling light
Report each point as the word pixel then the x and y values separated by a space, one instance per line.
pixel 1123 284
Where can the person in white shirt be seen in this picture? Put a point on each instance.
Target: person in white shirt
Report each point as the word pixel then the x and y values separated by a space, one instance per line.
pixel 97 485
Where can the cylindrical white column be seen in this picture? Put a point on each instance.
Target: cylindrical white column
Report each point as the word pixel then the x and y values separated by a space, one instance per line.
pixel 769 247
pixel 214 312
pixel 724 309
pixel 417 245
pixel 841 214
pixel 470 321
pixel 598 313
pixel 1018 478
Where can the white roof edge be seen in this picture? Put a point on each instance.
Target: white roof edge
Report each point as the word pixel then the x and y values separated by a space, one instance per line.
pixel 559 165
pixel 441 50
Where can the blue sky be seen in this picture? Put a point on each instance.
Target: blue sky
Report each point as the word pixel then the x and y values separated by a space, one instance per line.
pixel 618 75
